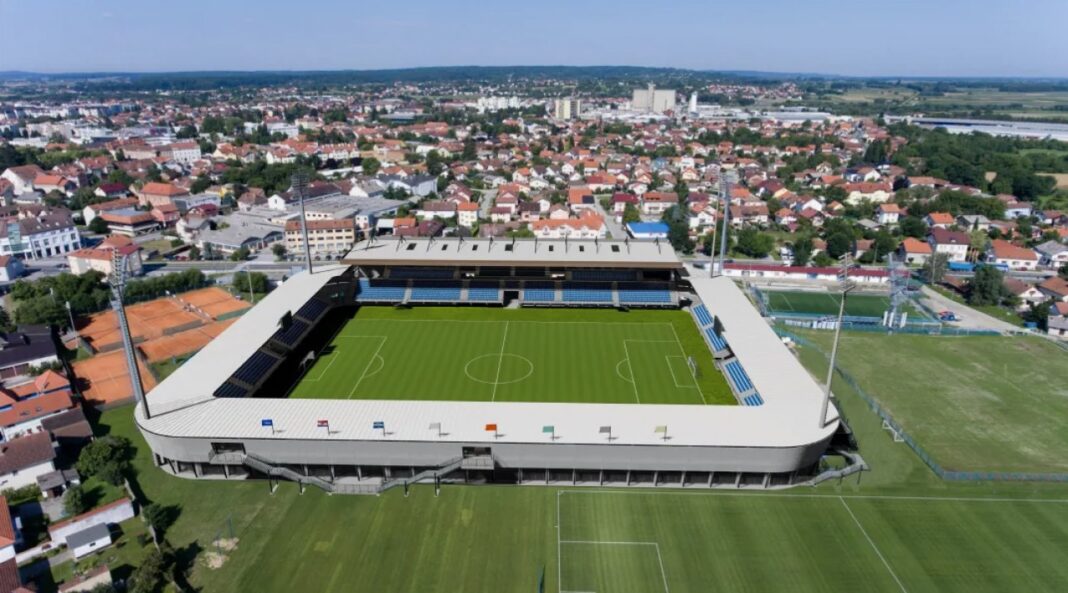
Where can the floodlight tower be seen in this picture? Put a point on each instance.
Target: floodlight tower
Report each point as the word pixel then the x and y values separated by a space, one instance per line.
pixel 847 286
pixel 299 182
pixel 117 281
pixel 899 286
pixel 727 181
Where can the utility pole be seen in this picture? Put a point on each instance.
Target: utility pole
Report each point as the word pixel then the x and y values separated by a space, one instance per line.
pixel 300 183
pixel 847 286
pixel 118 288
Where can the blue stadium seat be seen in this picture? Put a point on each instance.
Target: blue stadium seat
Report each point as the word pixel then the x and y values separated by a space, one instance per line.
pixel 580 292
pixel 312 310
pixel 291 334
pixel 655 293
pixel 539 292
pixel 255 368
pixel 437 292
pixel 484 292
pixel 380 291
pixel 738 376
pixel 718 343
pixel 753 400
pixel 703 316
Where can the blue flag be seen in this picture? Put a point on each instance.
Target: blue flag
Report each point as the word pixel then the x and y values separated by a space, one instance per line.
pixel 378 424
pixel 266 422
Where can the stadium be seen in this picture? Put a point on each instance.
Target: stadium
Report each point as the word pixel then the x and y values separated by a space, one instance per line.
pixel 495 361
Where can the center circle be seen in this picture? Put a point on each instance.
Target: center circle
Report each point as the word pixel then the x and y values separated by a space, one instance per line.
pixel 499 369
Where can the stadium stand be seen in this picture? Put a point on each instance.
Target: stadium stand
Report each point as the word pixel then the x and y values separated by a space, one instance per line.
pixel 292 334
pixel 228 389
pixel 580 292
pixel 703 316
pixel 484 292
pixel 312 310
pixel 738 376
pixel 753 400
pixel 644 294
pixel 604 275
pixel 420 273
pixel 381 291
pixel 717 341
pixel 255 368
pixel 540 292
pixel 438 292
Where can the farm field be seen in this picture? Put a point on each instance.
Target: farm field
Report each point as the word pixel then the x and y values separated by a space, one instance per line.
pixel 976 403
pixel 525 355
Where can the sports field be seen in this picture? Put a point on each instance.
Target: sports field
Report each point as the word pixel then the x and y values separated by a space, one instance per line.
pixel 898 531
pixel 524 355
pixel 825 303
pixel 976 403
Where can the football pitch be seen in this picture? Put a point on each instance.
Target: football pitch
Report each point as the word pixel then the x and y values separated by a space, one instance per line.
pixel 974 403
pixel 825 303
pixel 524 355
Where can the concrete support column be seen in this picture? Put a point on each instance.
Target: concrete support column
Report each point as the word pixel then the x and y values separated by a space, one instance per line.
pixel 738 480
pixel 226 471
pixel 574 477
pixel 520 476
pixel 682 480
pixel 546 476
pixel 305 466
pixel 656 478
pixel 196 469
pixel 413 471
pixel 628 477
pixel 385 472
pixel 359 473
pixel 333 476
pixel 711 476
pixel 601 479
pixel 767 479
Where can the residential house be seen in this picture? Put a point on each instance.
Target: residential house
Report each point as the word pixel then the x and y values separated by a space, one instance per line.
pixel 91 211
pixel 954 244
pixel 939 219
pixel 327 237
pixel 25 458
pixel 887 213
pixel 154 193
pixel 973 222
pixel 21 177
pixel 1014 256
pixel 24 406
pixel 11 268
pixel 130 222
pixel 586 226
pixel 28 346
pixel 1055 288
pixel 655 203
pixel 102 257
pixel 39 232
pixel 914 251
pixel 1052 254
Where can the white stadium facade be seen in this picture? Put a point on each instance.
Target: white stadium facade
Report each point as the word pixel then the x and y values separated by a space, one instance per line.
pixel 206 420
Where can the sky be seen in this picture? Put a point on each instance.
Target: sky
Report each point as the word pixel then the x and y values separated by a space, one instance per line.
pixel 848 37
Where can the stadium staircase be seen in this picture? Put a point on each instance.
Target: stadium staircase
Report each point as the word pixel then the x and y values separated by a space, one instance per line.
pixel 374 488
pixel 434 472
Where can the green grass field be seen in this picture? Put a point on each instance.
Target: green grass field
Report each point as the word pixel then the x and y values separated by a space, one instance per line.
pixel 527 355
pixel 824 303
pixel 978 403
pixel 899 530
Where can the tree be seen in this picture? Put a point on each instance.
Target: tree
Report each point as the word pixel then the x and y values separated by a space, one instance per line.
pixel 258 281
pixel 107 457
pixel 631 214
pixel 240 254
pixel 98 225
pixel 753 243
pixel 200 185
pixel 149 576
pixel 1063 271
pixel 279 251
pixel 823 260
pixel 194 252
pixel 371 165
pixel 469 153
pixel 802 251
pixel 158 517
pixel 839 244
pixel 5 320
pixel 75 501
pixel 678 230
pixel 936 266
pixel 913 226
pixel 987 287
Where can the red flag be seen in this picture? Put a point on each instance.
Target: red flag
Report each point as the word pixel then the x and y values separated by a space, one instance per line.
pixel 322 423
pixel 491 427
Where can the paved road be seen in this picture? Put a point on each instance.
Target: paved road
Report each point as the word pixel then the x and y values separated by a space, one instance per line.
pixel 969 318
pixel 615 229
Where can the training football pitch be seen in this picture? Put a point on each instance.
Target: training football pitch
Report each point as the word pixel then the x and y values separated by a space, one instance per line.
pixel 825 303
pixel 524 355
pixel 974 403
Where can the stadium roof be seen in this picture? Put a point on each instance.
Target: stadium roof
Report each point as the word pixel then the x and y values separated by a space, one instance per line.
pixel 513 252
pixel 183 404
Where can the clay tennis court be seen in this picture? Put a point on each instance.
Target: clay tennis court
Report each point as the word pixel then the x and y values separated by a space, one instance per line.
pixel 213 301
pixel 182 343
pixel 103 378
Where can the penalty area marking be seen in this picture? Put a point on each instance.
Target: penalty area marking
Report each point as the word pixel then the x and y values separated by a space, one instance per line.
pixel 631 371
pixel 333 356
pixel 370 362
pixel 674 377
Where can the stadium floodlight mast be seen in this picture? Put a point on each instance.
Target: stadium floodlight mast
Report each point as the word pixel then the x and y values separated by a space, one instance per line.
pixel 726 182
pixel 117 280
pixel 847 286
pixel 299 181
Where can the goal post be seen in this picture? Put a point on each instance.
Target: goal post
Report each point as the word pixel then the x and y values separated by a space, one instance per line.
pixel 692 363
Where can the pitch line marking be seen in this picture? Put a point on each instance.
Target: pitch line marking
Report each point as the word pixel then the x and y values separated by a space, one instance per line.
pixel 467 370
pixel 619 364
pixel 873 546
pixel 633 379
pixel 655 545
pixel 369 362
pixel 500 360
pixel 674 377
pixel 696 384
pixel 334 356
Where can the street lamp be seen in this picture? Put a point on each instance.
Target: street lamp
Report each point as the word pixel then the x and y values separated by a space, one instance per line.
pixel 847 286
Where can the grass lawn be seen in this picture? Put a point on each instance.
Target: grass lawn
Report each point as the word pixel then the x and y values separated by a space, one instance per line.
pixel 529 355
pixel 977 403
pixel 825 303
pixel 164 368
pixel 898 530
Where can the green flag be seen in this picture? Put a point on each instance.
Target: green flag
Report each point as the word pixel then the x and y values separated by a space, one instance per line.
pixel 548 428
